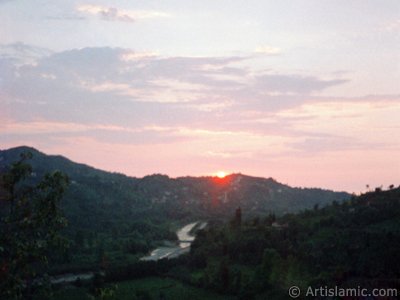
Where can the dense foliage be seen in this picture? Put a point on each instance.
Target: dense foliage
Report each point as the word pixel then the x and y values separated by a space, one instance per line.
pixel 30 220
pixel 115 219
pixel 355 243
pixel 279 237
pixel 352 244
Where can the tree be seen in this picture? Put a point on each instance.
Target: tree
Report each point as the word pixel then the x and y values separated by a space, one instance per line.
pixel 270 267
pixel 30 219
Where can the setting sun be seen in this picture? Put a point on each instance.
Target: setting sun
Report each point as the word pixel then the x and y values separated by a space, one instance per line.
pixel 220 174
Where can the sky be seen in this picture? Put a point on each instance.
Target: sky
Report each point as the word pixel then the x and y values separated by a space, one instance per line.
pixel 304 91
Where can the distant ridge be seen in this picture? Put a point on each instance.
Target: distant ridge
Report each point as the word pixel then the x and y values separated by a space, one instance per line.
pixel 57 161
pixel 94 192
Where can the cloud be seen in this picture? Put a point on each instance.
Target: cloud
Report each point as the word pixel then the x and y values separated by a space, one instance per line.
pixel 125 88
pixel 293 83
pixel 268 50
pixel 140 113
pixel 56 130
pixel 112 14
pixel 106 13
pixel 135 56
pixel 22 54
pixel 116 14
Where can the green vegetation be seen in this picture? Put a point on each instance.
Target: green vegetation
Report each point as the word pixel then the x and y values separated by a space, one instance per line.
pixel 253 247
pixel 115 219
pixel 355 243
pixel 351 244
pixel 30 221
pixel 147 288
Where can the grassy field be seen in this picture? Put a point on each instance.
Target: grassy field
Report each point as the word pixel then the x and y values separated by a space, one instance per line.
pixel 147 288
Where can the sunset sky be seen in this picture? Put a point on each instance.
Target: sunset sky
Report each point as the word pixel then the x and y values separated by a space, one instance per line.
pixel 304 91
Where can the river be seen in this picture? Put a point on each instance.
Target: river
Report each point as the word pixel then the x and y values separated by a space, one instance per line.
pixel 185 240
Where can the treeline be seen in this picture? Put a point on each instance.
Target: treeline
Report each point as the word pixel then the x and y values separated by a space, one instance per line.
pixel 349 244
pixel 88 249
pixel 355 243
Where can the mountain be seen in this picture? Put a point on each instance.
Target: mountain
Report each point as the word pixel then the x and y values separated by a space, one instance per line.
pixel 125 216
pixel 184 197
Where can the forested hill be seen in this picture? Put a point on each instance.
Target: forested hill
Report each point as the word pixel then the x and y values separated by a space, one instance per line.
pixel 355 243
pixel 94 192
pixel 116 218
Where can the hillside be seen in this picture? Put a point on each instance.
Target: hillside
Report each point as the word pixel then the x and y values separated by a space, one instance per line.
pixel 345 245
pixel 352 244
pixel 125 216
pixel 193 196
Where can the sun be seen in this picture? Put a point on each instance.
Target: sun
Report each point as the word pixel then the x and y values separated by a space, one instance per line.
pixel 220 174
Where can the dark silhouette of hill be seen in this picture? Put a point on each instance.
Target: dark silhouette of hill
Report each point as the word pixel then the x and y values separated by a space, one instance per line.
pixel 95 192
pixel 116 218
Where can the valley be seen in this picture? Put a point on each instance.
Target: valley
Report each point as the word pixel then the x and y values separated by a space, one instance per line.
pixel 236 237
